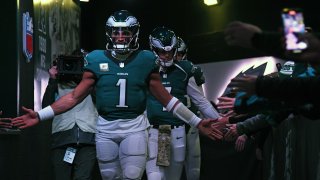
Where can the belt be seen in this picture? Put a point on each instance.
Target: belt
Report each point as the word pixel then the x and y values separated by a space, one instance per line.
pixel 172 126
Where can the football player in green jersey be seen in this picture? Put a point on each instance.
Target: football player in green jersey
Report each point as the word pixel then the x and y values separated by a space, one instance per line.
pixel 175 77
pixel 122 76
pixel 193 153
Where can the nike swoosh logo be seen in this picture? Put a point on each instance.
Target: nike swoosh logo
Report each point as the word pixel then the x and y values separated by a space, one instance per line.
pixel 179 137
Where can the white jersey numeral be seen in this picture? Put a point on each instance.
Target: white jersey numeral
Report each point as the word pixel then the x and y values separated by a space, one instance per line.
pixel 122 83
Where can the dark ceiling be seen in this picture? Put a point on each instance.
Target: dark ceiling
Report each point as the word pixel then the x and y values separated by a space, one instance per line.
pixel 199 25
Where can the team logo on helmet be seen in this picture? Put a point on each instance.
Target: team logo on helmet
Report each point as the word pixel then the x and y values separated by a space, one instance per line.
pixel 124 23
pixel 162 38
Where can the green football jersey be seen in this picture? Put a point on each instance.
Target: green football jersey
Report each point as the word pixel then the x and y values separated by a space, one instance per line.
pixel 175 80
pixel 121 86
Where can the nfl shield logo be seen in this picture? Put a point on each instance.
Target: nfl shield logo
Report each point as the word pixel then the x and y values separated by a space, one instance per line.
pixel 27 36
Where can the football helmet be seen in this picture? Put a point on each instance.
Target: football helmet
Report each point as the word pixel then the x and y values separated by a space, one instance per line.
pixel 182 49
pixel 122 30
pixel 163 39
pixel 287 69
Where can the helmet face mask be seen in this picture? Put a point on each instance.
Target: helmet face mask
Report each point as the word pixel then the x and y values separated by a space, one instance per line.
pixel 121 37
pixel 122 30
pixel 165 57
pixel 163 43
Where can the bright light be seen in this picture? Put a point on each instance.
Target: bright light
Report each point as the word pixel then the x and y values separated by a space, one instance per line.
pixel 84 0
pixel 210 2
pixel 249 63
pixel 224 71
pixel 43 2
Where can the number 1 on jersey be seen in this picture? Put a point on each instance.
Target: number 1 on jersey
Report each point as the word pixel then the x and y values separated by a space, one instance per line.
pixel 122 83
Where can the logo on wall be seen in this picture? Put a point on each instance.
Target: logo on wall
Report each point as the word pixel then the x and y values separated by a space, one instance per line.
pixel 27 36
pixel 256 71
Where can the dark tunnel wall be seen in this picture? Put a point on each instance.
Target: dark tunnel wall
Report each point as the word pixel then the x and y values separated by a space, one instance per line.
pixel 24 154
pixel 8 67
pixel 8 79
pixel 201 26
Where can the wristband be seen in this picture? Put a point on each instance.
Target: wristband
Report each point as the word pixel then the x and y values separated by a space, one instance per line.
pixel 46 113
pixel 171 103
pixel 183 113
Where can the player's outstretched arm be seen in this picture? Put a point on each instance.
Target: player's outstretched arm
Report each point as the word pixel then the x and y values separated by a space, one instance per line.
pixel 31 118
pixel 173 105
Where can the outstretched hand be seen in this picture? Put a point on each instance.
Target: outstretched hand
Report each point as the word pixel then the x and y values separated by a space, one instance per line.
pixel 210 131
pixel 240 34
pixel 232 133
pixel 246 83
pixel 27 120
pixel 5 122
pixel 220 124
pixel 241 142
pixel 226 103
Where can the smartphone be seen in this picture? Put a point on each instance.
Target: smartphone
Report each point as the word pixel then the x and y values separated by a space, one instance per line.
pixel 293 23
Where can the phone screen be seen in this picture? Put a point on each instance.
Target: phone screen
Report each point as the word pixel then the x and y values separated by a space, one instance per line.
pixel 293 25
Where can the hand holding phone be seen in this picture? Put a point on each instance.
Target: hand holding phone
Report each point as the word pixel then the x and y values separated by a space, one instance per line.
pixel 293 26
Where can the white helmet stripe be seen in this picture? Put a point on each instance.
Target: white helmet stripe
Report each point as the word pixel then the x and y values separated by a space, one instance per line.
pixel 130 21
pixel 157 43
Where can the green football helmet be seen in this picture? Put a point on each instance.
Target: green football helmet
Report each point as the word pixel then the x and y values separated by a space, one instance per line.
pixel 163 39
pixel 287 69
pixel 182 48
pixel 124 23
